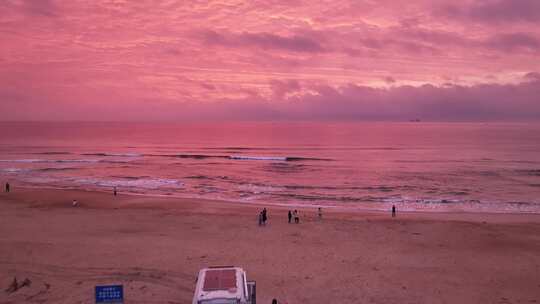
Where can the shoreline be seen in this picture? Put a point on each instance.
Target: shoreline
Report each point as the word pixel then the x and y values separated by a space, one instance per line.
pixel 161 202
pixel 332 208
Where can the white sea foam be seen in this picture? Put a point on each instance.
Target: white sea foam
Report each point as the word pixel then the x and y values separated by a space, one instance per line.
pixel 259 189
pixel 146 183
pixel 15 170
pixel 143 183
pixel 21 160
pixel 125 154
pixel 113 154
pixel 62 161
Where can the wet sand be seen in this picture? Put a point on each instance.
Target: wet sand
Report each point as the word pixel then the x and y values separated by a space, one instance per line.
pixel 155 246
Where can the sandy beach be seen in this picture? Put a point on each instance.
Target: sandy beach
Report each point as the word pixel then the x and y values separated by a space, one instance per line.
pixel 155 246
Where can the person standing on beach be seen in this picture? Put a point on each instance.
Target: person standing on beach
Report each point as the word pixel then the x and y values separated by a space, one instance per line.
pixel 114 191
pixel 290 216
pixel 274 301
pixel 320 213
pixel 393 210
pixel 264 216
pixel 296 218
pixel 260 218
pixel 7 187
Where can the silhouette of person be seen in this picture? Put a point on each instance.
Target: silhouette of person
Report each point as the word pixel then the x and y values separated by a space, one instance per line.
pixel 274 301
pixel 114 191
pixel 393 210
pixel 296 218
pixel 260 218
pixel 264 216
pixel 290 216
pixel 320 213
pixel 7 187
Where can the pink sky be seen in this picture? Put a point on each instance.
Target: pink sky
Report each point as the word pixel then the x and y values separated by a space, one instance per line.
pixel 270 60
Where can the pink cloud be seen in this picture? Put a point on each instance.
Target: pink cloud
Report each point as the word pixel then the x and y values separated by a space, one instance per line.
pixel 450 103
pixel 33 7
pixel 295 43
pixel 291 100
pixel 496 10
pixel 513 41
pixel 341 59
pixel 281 88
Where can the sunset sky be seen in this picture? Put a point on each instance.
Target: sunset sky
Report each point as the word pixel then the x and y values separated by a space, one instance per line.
pixel 444 60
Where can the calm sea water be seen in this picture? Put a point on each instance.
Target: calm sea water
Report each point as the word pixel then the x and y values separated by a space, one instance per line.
pixel 417 166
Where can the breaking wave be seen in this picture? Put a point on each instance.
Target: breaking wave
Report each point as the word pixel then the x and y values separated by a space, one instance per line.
pixel 240 157
pixel 15 170
pixel 144 183
pixel 56 169
pixel 103 154
pixel 61 161
pixel 275 158
pixel 53 153
pixel 127 184
pixel 194 156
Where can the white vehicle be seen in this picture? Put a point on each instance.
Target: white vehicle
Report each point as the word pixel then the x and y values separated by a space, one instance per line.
pixel 224 285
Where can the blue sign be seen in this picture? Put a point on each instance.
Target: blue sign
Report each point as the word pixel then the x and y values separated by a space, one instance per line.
pixel 110 294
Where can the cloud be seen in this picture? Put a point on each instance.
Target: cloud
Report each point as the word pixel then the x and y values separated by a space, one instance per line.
pixel 44 8
pixel 389 79
pixel 428 102
pixel 281 88
pixel 495 11
pixel 513 41
pixel 408 39
pixel 532 76
pixel 312 60
pixel 208 86
pixel 295 42
pixel 291 100
pixel 354 43
pixel 420 40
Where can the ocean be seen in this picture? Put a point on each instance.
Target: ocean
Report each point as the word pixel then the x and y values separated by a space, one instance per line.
pixel 471 167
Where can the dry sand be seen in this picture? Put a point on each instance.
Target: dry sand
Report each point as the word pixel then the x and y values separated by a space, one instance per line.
pixel 155 246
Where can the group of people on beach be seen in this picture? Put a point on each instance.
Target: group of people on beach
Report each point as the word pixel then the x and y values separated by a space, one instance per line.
pixel 291 215
pixel 295 215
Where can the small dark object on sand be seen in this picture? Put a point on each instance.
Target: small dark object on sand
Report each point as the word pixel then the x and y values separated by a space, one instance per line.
pixel 26 282
pixel 13 286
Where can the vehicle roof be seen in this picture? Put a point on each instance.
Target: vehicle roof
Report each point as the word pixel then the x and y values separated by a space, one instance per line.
pixel 219 279
pixel 224 283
